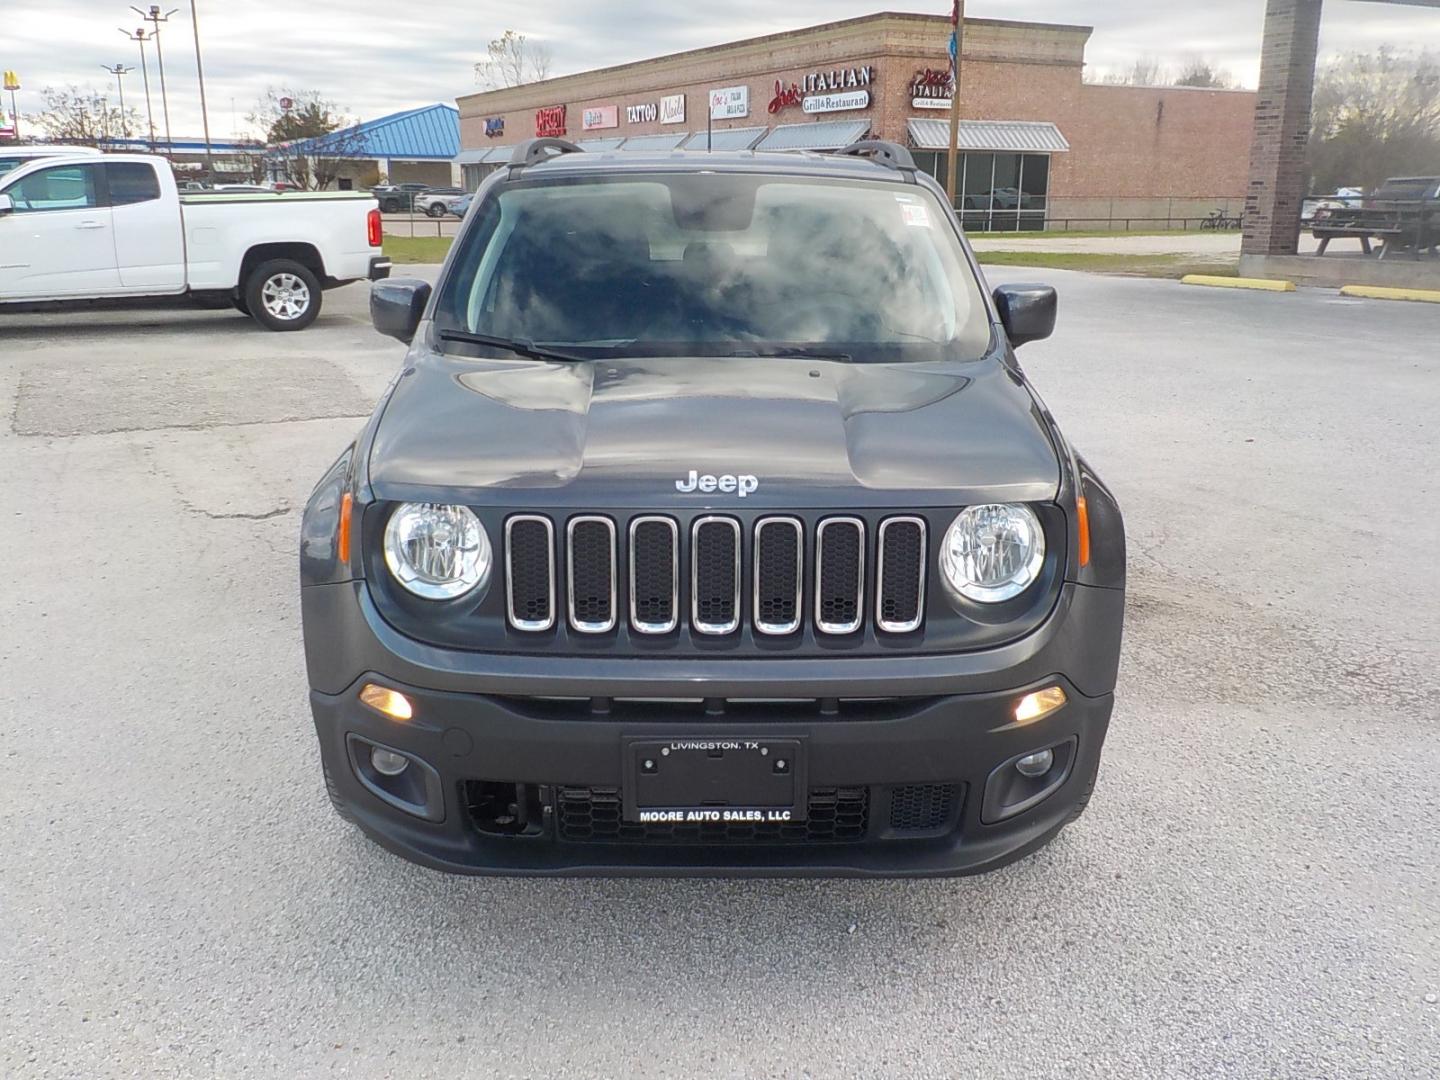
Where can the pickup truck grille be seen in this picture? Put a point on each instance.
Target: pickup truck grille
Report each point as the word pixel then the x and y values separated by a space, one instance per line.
pixel 709 571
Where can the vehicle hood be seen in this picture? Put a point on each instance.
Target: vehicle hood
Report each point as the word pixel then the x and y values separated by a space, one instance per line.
pixel 623 432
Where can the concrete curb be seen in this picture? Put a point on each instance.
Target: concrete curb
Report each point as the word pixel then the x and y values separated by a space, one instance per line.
pixel 1379 292
pixel 1264 284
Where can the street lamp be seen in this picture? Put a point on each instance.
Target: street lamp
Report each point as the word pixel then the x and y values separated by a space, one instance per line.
pixel 155 17
pixel 200 71
pixel 139 35
pixel 120 71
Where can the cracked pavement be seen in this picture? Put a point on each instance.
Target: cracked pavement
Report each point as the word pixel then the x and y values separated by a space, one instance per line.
pixel 1254 891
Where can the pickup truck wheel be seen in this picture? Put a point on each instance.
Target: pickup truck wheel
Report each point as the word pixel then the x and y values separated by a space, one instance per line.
pixel 282 295
pixel 390 207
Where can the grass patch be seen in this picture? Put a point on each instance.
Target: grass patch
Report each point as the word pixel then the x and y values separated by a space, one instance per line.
pixel 1084 234
pixel 417 249
pixel 1163 266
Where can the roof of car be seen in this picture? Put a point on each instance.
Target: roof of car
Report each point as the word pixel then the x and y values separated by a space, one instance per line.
pixel 782 162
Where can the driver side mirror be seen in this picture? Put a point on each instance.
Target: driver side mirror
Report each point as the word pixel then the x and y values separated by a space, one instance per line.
pixel 7 205
pixel 396 306
pixel 1027 312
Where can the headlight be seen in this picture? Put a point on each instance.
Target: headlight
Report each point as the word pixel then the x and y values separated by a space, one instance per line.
pixel 437 551
pixel 993 553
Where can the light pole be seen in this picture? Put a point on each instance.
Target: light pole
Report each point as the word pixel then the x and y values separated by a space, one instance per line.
pixel 139 35
pixel 120 71
pixel 200 71
pixel 154 16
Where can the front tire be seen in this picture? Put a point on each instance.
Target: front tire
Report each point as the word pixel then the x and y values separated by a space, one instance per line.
pixel 282 294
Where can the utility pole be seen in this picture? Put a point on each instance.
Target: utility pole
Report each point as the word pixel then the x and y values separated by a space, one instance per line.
pixel 153 16
pixel 952 158
pixel 139 35
pixel 120 71
pixel 200 71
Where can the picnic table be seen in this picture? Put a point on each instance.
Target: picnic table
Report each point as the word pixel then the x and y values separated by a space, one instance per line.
pixel 1399 224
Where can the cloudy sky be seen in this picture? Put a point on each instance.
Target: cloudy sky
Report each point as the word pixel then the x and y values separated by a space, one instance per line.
pixel 377 56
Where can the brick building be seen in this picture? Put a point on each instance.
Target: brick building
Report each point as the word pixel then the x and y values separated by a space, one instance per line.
pixel 1038 142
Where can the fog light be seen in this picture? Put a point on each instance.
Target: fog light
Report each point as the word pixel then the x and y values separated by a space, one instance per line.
pixel 390 702
pixel 1031 765
pixel 1040 704
pixel 389 763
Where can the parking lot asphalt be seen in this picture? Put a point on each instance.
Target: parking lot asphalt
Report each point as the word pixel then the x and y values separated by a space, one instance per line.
pixel 1254 892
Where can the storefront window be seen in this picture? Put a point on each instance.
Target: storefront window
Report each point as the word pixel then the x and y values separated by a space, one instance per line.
pixel 998 192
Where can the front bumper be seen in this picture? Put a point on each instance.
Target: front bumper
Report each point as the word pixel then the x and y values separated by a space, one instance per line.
pixel 484 724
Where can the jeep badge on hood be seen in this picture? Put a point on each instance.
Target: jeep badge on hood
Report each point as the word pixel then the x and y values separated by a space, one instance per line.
pixel 727 483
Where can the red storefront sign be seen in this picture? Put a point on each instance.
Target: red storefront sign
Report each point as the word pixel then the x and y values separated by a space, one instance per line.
pixel 785 96
pixel 550 121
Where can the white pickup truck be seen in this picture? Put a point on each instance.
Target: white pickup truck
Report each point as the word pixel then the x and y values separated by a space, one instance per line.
pixel 115 227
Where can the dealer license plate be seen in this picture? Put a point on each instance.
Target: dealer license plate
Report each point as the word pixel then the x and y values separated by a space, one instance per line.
pixel 687 781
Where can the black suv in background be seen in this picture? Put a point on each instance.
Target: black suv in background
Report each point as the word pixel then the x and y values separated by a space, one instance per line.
pixel 396 198
pixel 711 526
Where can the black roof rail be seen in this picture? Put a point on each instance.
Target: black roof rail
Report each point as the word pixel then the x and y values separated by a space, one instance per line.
pixel 891 155
pixel 534 151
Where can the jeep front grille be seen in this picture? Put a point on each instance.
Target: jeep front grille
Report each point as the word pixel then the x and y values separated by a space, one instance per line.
pixel 709 558
pixel 530 572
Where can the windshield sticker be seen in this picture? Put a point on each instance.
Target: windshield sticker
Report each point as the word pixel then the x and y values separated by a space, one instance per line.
pixel 915 214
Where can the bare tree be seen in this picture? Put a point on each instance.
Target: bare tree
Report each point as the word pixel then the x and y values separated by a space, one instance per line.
pixel 1144 71
pixel 311 140
pixel 76 115
pixel 1201 72
pixel 513 60
pixel 1375 115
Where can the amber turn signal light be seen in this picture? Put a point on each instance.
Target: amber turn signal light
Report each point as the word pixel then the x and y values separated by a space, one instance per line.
pixel 1082 512
pixel 387 702
pixel 342 538
pixel 1039 705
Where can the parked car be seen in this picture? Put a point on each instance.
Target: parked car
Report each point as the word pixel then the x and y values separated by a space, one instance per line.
pixel 433 201
pixel 712 527
pixel 12 157
pixel 116 228
pixel 461 206
pixel 397 197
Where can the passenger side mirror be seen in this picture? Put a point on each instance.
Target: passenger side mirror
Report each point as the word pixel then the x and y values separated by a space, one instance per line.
pixel 396 305
pixel 1027 312
pixel 7 206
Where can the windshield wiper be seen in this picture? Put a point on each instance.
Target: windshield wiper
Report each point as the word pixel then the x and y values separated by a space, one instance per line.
pixel 518 346
pixel 798 352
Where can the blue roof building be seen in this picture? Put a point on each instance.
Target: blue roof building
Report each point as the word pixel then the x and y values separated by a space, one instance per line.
pixel 417 145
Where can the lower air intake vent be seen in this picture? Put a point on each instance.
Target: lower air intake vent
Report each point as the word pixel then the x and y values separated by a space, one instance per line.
pixel 593 815
pixel 922 807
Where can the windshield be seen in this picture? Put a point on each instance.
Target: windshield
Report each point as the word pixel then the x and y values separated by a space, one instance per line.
pixel 717 264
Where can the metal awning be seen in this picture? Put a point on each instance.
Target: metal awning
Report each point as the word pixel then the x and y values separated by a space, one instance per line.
pixel 472 157
pixel 743 138
pixel 826 135
pixel 599 146
pixel 669 140
pixel 997 136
